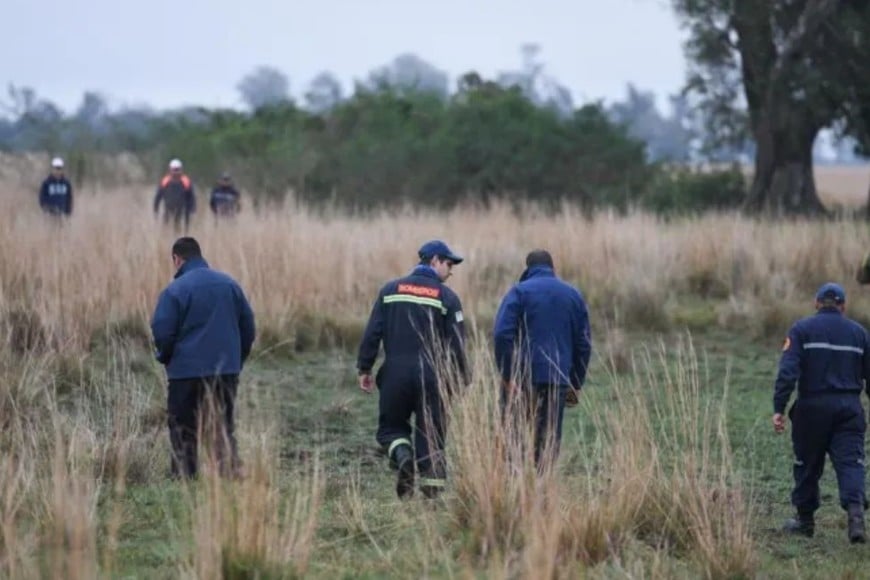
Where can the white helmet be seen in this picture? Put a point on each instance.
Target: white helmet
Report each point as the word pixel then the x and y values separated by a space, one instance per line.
pixel 175 164
pixel 57 163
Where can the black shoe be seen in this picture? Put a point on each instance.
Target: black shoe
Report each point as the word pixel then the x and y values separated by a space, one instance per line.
pixel 404 458
pixel 431 491
pixel 801 525
pixel 856 524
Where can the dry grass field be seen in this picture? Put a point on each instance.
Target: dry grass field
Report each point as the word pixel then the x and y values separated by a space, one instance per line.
pixel 843 185
pixel 668 470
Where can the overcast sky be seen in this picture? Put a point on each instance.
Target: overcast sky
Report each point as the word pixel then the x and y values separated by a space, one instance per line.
pixel 168 53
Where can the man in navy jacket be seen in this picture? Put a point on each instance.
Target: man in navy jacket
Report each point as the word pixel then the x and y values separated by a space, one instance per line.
pixel 420 322
pixel 828 357
pixel 224 201
pixel 542 349
pixel 56 193
pixel 203 329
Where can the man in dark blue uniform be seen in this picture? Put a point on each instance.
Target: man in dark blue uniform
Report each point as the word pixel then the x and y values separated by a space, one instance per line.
pixel 828 356
pixel 542 348
pixel 224 201
pixel 56 193
pixel 420 322
pixel 203 328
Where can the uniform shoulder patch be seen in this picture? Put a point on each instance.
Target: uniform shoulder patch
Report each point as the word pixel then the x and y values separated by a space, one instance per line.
pixel 786 344
pixel 459 317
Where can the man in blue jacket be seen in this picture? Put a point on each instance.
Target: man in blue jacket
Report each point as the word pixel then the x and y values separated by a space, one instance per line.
pixel 203 329
pixel 828 357
pixel 224 201
pixel 542 349
pixel 56 192
pixel 420 322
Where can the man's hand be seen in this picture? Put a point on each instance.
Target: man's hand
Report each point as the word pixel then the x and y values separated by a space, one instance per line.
pixel 778 423
pixel 366 383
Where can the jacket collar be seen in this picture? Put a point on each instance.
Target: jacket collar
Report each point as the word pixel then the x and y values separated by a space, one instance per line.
pixel 427 271
pixel 829 310
pixel 192 264
pixel 538 272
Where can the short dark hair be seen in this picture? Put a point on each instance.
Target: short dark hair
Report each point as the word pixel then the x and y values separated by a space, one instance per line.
pixel 539 258
pixel 186 248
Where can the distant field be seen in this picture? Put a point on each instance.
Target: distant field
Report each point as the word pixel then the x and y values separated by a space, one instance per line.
pixel 844 185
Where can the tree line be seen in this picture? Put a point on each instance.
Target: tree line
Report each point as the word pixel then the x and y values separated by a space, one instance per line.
pixel 765 80
pixel 402 137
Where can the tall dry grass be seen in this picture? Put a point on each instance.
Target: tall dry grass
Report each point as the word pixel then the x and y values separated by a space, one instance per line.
pixel 311 275
pixel 256 526
pixel 61 451
pixel 65 453
pixel 656 480
pixel 659 473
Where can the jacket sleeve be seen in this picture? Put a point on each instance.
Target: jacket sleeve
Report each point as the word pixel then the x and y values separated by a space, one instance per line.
pixel 43 194
pixel 789 370
pixel 212 201
pixel 69 198
pixel 865 360
pixel 455 335
pixel 507 325
pixel 371 340
pixel 191 199
pixel 247 326
pixel 582 345
pixel 863 275
pixel 164 326
pixel 158 197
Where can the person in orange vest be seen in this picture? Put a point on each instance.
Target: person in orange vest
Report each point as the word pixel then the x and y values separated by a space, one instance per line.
pixel 176 193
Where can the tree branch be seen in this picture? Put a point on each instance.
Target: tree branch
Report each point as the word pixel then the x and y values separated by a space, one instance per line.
pixel 814 16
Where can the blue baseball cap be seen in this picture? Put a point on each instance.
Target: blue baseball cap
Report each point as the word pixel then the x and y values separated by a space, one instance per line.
pixel 438 248
pixel 831 291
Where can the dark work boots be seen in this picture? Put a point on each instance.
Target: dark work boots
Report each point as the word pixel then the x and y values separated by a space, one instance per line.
pixel 801 525
pixel 404 458
pixel 856 523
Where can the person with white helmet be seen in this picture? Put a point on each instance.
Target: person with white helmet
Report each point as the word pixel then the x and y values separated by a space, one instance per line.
pixel 56 193
pixel 177 194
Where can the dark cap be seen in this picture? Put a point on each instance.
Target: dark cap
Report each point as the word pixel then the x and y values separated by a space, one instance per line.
pixel 831 291
pixel 438 248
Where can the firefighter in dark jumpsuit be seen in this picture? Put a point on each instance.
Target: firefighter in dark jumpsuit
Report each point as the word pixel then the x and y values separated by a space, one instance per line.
pixel 419 320
pixel 828 356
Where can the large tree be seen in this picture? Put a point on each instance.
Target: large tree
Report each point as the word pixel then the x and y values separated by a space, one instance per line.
pixel 265 86
pixel 774 69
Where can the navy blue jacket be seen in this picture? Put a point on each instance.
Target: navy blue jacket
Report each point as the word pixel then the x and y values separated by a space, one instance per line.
pixel 824 353
pixel 203 325
pixel 419 319
pixel 224 199
pixel 544 321
pixel 56 195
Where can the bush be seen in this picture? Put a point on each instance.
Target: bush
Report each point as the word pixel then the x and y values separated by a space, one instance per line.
pixel 685 190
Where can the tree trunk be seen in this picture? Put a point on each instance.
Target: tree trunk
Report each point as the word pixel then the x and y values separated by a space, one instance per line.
pixel 783 183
